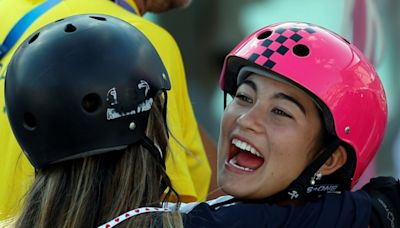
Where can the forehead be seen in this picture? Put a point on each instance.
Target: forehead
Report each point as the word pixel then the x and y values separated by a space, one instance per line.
pixel 273 81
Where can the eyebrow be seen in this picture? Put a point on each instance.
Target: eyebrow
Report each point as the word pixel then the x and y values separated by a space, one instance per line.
pixel 249 83
pixel 278 95
pixel 292 99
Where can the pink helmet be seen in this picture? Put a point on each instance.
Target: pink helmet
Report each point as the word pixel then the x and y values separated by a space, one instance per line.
pixel 335 72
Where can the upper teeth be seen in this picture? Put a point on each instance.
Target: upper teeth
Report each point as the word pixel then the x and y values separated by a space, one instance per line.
pixel 244 146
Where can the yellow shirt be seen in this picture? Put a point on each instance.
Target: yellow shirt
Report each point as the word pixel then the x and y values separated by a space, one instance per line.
pixel 189 170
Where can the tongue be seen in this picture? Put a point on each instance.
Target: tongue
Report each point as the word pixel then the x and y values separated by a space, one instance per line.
pixel 246 159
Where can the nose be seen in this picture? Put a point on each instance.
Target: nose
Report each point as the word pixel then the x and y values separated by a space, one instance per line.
pixel 251 120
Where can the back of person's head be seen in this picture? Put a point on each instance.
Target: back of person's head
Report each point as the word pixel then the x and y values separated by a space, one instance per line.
pixel 84 97
pixel 334 73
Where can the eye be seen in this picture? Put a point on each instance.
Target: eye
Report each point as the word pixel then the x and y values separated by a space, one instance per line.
pixel 244 98
pixel 279 112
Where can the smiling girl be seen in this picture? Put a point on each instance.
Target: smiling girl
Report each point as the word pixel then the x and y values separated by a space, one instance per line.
pixel 308 114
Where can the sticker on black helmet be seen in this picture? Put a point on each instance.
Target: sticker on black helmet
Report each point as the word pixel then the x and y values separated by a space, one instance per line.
pixel 143 84
pixel 112 98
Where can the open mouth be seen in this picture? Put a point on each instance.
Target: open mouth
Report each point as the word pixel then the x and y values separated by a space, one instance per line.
pixel 244 156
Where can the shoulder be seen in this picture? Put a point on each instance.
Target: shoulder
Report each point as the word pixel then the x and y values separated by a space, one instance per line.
pixel 345 209
pixel 225 212
pixel 158 36
pixel 222 212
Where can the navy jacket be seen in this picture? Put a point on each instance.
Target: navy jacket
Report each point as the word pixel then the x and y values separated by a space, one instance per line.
pixel 332 210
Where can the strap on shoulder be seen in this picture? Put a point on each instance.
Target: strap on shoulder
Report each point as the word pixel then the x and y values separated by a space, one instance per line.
pixel 23 24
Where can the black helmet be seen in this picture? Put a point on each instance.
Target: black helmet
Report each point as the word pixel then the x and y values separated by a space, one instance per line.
pixel 82 85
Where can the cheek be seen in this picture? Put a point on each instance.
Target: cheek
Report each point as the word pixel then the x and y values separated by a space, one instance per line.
pixel 290 151
pixel 313 139
pixel 227 123
pixel 300 139
pixel 283 169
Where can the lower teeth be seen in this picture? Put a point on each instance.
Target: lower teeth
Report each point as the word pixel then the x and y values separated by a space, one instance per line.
pixel 233 162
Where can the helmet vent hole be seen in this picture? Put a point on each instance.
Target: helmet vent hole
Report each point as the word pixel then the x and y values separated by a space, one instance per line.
pixel 29 121
pixel 301 50
pixel 70 28
pixel 31 40
pixel 99 18
pixel 91 102
pixel 264 35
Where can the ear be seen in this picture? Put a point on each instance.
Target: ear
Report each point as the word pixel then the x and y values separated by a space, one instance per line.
pixel 335 161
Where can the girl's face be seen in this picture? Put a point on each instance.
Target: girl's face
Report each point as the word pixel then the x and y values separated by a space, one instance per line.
pixel 268 136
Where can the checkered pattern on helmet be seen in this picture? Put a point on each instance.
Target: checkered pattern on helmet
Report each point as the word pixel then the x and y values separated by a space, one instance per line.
pixel 275 44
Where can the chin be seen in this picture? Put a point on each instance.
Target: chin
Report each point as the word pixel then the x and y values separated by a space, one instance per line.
pixel 242 194
pixel 243 190
pixel 234 192
pixel 236 189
